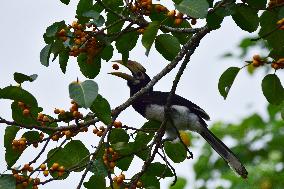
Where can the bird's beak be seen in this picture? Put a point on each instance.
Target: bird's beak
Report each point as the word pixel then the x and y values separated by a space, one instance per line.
pixel 133 66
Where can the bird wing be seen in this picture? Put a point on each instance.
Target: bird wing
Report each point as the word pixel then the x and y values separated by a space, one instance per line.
pixel 158 97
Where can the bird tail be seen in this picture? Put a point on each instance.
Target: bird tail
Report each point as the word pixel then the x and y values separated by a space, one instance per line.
pixel 224 152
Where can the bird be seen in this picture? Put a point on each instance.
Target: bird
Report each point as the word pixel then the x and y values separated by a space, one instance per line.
pixel 184 114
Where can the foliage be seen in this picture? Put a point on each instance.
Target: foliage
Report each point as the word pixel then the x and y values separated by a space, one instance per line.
pixel 100 28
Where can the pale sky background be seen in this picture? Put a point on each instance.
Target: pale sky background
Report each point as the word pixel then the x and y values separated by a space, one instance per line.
pixel 22 26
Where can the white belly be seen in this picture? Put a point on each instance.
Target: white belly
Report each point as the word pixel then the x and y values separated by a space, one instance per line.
pixel 182 118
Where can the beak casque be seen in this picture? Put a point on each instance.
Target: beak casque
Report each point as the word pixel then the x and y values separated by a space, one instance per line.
pixel 133 66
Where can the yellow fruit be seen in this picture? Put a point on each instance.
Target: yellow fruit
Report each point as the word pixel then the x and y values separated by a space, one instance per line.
pixel 45 119
pixel 171 13
pixel 178 21
pixel 55 166
pixel 117 124
pixel 45 173
pixel 26 112
pixel 139 184
pixel 43 167
pixel 61 169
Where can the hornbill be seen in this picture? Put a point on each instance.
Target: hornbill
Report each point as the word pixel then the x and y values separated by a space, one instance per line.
pixel 184 115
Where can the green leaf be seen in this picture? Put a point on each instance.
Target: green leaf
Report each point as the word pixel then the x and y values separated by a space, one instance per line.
pixel 99 168
pixel 111 19
pixel 89 66
pixel 107 52
pixel 124 149
pixel 126 42
pixel 214 20
pixel 32 136
pixel 282 110
pixel 84 93
pixel 73 153
pixel 124 163
pixel 83 6
pixel 159 170
pixel 183 37
pixel 175 151
pixel 168 46
pixel 260 4
pixel 149 35
pixel 91 14
pixel 18 94
pixel 272 89
pixel 113 4
pixel 268 24
pixel 45 54
pixel 193 8
pixel 226 80
pixel 150 182
pixel 118 135
pixel 142 139
pixel 246 18
pixel 96 182
pixel 152 125
pixel 180 184
pixel 63 59
pixel 51 31
pixel 11 156
pixel 66 2
pixel 7 181
pixel 102 110
pixel 20 78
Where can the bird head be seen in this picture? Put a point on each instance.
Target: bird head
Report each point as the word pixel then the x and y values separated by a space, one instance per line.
pixel 138 79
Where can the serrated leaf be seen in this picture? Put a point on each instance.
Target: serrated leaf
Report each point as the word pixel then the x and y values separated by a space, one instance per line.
pixel 118 135
pixel 272 89
pixel 7 181
pixel 45 54
pixel 20 78
pixel 73 153
pixel 96 182
pixel 149 35
pixel 246 18
pixel 84 93
pixel 193 8
pixel 226 80
pixel 102 110
pixel 11 156
pixel 167 45
pixel 175 151
pixel 89 66
pixel 18 94
pixel 66 2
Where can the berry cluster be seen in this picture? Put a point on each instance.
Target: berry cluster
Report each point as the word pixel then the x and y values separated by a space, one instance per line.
pixel 22 180
pixel 99 132
pixel 120 178
pixel 25 108
pixel 257 61
pixel 110 157
pixel 279 64
pixel 178 17
pixel 143 7
pixel 55 168
pixel 74 110
pixel 19 145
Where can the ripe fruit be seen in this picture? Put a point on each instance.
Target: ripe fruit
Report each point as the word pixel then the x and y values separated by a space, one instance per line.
pixel 55 166
pixel 61 112
pixel 35 144
pixel 68 133
pixel 30 169
pixel 99 133
pixel 36 181
pixel 60 174
pixel 61 169
pixel 95 130
pixel 115 66
pixel 21 104
pixel 193 21
pixel 45 173
pixel 55 138
pixel 139 184
pixel 40 116
pixel 256 57
pixel 43 167
pixel 56 111
pixel 26 112
pixel 178 21
pixel 45 119
pixel 117 124
pixel 26 167
pixel 179 15
pixel 112 164
pixel 171 13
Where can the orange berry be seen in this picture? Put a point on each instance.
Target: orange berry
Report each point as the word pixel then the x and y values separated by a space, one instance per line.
pixel 45 119
pixel 61 168
pixel 35 187
pixel 256 57
pixel 40 116
pixel 112 164
pixel 115 66
pixel 77 41
pixel 171 13
pixel 141 30
pixel 117 124
pixel 178 21
pixel 102 128
pixel 255 63
pixel 21 104
pixel 179 15
pixel 55 138
pixel 60 174
pixel 43 167
pixel 56 111
pixel 68 133
pixel 139 184
pixel 99 133
pixel 25 184
pixel 55 166
pixel 62 112
pixel 36 181
pixel 95 130
pixel 119 180
pixel 26 167
pixel 45 173
pixel 26 112
pixel 76 114
pixel 122 176
pixel 30 169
